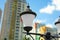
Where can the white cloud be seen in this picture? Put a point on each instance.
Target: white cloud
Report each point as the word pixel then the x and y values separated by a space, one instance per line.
pixel 40 21
pixel 48 9
pixel 49 25
pixel 55 5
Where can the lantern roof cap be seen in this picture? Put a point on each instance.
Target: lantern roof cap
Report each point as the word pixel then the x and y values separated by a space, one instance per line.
pixel 58 21
pixel 28 11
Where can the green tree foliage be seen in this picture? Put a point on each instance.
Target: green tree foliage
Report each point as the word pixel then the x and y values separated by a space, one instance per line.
pixel 26 38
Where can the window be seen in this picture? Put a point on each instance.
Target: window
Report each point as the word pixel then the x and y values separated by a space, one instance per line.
pixel 16 39
pixel 18 21
pixel 16 33
pixel 18 16
pixel 19 0
pixel 17 27
pixel 16 36
pixel 17 24
pixel 17 30
pixel 19 8
pixel 18 13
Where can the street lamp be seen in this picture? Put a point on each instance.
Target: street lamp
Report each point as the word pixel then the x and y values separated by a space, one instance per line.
pixel 57 23
pixel 28 17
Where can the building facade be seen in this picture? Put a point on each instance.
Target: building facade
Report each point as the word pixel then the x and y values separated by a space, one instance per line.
pixel 0 21
pixel 38 29
pixel 0 14
pixel 11 28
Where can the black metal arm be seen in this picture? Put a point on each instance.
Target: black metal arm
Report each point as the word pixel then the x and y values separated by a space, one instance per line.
pixel 33 34
pixel 31 37
pixel 47 35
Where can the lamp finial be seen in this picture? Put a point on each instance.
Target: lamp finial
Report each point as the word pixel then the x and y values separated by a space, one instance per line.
pixel 28 6
pixel 59 16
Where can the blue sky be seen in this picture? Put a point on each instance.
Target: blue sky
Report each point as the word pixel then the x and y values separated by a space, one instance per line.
pixel 2 3
pixel 47 10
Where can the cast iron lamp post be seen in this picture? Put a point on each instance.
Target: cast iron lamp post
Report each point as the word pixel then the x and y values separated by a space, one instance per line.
pixel 57 23
pixel 28 17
